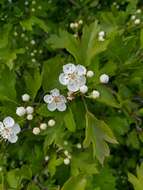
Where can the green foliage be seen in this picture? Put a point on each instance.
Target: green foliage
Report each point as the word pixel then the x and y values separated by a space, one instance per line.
pixel 96 143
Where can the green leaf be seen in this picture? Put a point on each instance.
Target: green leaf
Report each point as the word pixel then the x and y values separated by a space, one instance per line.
pixel 75 183
pixel 33 82
pixel 97 134
pixel 141 38
pixel 50 72
pixel 32 186
pixel 137 182
pixel 7 85
pixel 106 96
pixel 69 120
pixel 29 23
pixel 13 178
pixel 4 35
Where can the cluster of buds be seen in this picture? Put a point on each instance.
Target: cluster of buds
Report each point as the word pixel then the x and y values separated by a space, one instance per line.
pixel 28 110
pixel 43 126
pixel 135 17
pixel 76 25
pixel 67 160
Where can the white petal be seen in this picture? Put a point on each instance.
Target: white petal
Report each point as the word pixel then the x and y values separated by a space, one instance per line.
pixel 16 128
pixel 61 106
pixel 69 68
pixel 8 121
pixel 63 99
pixel 81 70
pixel 13 138
pixel 52 106
pixel 73 86
pixel 48 98
pixel 1 126
pixel 63 79
pixel 55 92
pixel 81 81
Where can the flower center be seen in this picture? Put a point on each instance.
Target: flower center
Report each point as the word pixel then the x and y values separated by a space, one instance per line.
pixel 57 99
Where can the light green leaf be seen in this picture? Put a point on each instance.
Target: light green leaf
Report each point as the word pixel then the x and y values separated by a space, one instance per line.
pixel 98 134
pixel 69 120
pixel 137 182
pixel 75 183
pixel 7 85
pixel 4 35
pixel 32 186
pixel 106 96
pixel 33 82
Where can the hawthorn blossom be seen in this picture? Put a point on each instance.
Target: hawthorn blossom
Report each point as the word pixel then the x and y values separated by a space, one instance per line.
pixel 73 76
pixel 9 129
pixel 55 100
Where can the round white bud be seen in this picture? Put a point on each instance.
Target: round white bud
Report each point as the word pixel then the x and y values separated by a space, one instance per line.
pixel 79 146
pixel 33 42
pixel 75 35
pixel 25 97
pixel 43 126
pixel 36 130
pixel 66 161
pixel 139 11
pixel 47 158
pixel 66 152
pixel 80 22
pixel 29 110
pixel 133 17
pixel 51 122
pixel 72 25
pixel 90 74
pixel 29 117
pixel 76 24
pixel 101 39
pixel 33 10
pixel 104 78
pixel 137 21
pixel 20 111
pixel 83 89
pixel 95 94
pixel 101 33
pixel 33 60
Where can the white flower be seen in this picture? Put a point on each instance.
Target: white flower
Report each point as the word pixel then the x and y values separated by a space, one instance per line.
pixel 95 94
pixel 73 76
pixel 20 111
pixel 83 89
pixel 9 129
pixel 66 153
pixel 43 126
pixel 90 74
pixel 137 21
pixel 29 110
pixel 29 117
pixel 66 161
pixel 33 41
pixel 51 122
pixel 55 100
pixel 25 97
pixel 104 78
pixel 36 130
pixel 76 25
pixel 47 158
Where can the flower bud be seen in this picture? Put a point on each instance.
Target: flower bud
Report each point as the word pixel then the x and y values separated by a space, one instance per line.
pixel 66 161
pixel 29 117
pixel 90 74
pixel 25 97
pixel 29 110
pixel 51 122
pixel 137 21
pixel 95 94
pixel 20 111
pixel 43 126
pixel 104 78
pixel 36 130
pixel 83 89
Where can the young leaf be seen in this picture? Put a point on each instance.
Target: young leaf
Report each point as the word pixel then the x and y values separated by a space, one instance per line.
pixel 69 120
pixel 98 134
pixel 75 183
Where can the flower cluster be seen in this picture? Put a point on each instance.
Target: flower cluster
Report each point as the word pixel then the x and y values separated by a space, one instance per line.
pixel 9 129
pixel 28 110
pixel 135 18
